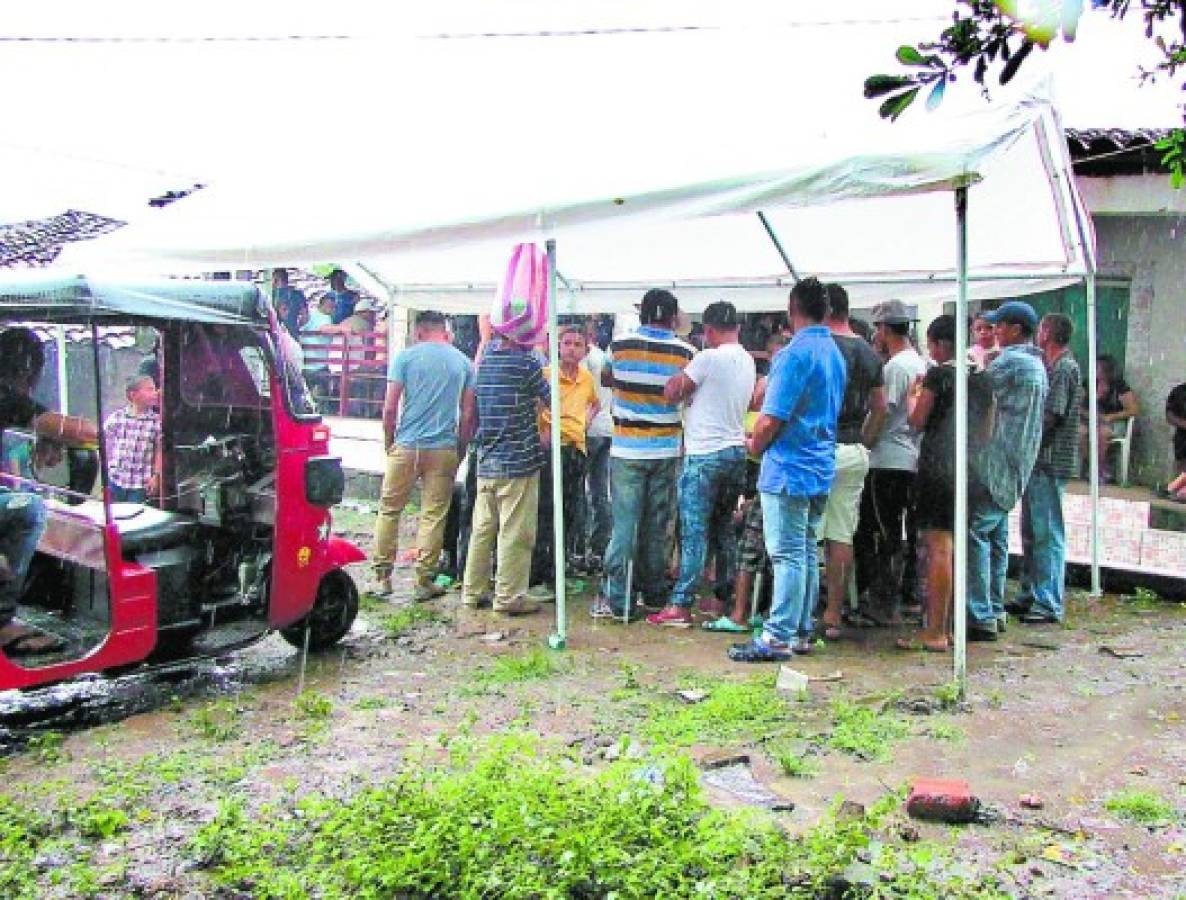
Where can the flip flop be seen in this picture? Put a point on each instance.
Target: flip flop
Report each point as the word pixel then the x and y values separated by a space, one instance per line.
pixel 725 624
pixel 31 644
pixel 914 644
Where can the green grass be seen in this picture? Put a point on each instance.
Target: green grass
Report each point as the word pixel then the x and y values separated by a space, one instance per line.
pixel 217 721
pixel 733 712
pixel 515 818
pixel 1141 807
pixel 949 732
pixel 865 732
pixel 534 665
pixel 406 618
pixel 795 765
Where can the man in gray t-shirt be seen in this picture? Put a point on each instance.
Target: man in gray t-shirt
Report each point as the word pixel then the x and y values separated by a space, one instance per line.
pixel 435 382
pixel 885 569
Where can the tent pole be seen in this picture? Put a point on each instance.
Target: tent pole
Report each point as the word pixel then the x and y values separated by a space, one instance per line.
pixel 960 524
pixel 558 640
pixel 63 390
pixel 1093 444
pixel 778 245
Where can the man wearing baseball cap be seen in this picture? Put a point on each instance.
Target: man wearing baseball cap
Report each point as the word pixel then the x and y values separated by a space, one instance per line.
pixel 885 569
pixel 717 386
pixel 1019 386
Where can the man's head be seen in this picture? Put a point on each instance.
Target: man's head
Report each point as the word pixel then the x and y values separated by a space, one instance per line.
pixel 720 323
pixel 837 303
pixel 279 278
pixel 367 309
pixel 808 303
pixel 892 320
pixel 337 280
pixel 1055 331
pixel 1013 323
pixel 573 346
pixel 941 339
pixel 141 391
pixel 431 325
pixel 982 333
pixel 326 304
pixel 658 307
pixel 22 357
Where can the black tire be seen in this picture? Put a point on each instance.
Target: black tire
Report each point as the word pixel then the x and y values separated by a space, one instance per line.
pixel 332 614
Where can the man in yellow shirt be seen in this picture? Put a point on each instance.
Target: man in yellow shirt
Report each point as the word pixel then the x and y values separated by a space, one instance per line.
pixel 578 406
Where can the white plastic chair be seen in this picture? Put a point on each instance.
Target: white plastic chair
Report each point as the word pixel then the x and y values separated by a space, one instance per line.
pixel 1123 438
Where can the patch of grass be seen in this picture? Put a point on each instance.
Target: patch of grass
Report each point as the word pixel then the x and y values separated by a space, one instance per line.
pixel 375 702
pixel 942 730
pixel 795 765
pixel 218 721
pixel 734 711
pixel 948 694
pixel 405 618
pixel 313 705
pixel 511 819
pixel 534 665
pixel 1141 807
pixel 864 732
pixel 47 746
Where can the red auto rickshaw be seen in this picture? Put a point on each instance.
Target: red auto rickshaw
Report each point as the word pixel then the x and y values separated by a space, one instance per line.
pixel 237 540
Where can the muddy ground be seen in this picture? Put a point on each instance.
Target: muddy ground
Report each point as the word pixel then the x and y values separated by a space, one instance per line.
pixel 1051 713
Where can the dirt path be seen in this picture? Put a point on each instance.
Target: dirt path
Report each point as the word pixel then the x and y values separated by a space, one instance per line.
pixel 1049 714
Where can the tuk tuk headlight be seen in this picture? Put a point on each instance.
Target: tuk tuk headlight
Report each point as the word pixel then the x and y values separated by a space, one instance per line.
pixel 325 482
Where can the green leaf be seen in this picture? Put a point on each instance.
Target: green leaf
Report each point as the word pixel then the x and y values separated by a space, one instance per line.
pixel 909 56
pixel 935 97
pixel 896 105
pixel 1010 68
pixel 877 85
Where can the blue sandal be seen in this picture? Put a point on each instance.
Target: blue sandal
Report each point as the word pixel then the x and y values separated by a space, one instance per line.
pixel 757 651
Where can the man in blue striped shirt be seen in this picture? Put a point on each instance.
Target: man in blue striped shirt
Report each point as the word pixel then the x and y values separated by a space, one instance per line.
pixel 644 456
pixel 510 391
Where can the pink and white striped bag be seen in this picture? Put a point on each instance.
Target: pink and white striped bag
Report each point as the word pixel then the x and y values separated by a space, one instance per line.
pixel 520 311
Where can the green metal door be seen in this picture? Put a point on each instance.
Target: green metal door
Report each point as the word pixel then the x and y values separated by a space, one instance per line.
pixel 1111 298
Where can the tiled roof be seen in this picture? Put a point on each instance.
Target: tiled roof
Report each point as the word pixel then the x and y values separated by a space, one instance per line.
pixel 1116 151
pixel 39 241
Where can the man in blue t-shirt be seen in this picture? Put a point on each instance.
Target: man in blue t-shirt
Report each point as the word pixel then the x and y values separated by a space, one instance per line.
pixel 796 438
pixel 344 298
pixel 290 303
pixel 423 441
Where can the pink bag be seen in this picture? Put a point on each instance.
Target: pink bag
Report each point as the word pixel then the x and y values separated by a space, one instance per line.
pixel 520 311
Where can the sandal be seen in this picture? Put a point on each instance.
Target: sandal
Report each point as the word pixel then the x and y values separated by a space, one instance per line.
pixel 915 643
pixel 724 624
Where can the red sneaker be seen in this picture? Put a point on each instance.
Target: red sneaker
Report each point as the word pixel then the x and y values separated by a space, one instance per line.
pixel 671 617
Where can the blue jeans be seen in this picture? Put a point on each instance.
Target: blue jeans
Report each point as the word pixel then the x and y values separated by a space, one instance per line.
pixel 594 537
pixel 791 526
pixel 709 486
pixel 988 559
pixel 644 505
pixel 22 521
pixel 127 495
pixel 1043 538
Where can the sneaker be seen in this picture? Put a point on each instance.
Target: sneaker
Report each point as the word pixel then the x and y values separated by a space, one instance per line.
pixel 519 606
pixel 758 650
pixel 426 592
pixel 671 617
pixel 601 609
pixel 1019 605
pixel 484 601
pixel 1038 618
pixel 542 593
pixel 381 587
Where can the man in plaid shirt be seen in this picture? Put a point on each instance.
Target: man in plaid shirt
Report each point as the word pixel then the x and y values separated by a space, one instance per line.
pixel 133 436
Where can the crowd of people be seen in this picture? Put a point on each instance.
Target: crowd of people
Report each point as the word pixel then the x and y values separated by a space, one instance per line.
pixel 689 475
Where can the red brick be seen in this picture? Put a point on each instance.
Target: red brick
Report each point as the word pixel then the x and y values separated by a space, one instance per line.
pixel 942 800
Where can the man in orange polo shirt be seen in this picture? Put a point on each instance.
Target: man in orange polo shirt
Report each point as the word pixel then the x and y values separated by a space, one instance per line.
pixel 578 406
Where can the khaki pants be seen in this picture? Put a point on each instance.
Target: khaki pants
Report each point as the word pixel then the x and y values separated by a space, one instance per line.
pixel 505 509
pixel 435 470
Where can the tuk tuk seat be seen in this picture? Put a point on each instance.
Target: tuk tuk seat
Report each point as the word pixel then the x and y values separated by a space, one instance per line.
pixel 146 528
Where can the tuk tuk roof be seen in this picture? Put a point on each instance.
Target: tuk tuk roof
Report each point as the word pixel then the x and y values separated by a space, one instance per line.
pixel 54 297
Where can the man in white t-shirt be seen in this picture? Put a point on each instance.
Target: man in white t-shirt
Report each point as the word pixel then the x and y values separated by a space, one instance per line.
pixel 593 537
pixel 717 385
pixel 885 569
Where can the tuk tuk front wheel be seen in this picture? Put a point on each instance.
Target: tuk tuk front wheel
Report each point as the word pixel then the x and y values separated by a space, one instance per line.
pixel 332 614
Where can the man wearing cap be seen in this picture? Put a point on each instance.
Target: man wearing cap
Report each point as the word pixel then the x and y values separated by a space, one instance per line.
pixel 435 383
pixel 796 437
pixel 1019 387
pixel 644 456
pixel 717 386
pixel 862 417
pixel 344 298
pixel 885 570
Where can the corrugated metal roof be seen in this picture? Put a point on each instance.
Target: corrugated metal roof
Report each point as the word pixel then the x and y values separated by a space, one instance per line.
pixel 1116 151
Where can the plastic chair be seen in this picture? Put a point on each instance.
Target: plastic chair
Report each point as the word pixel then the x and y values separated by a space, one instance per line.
pixel 1124 440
